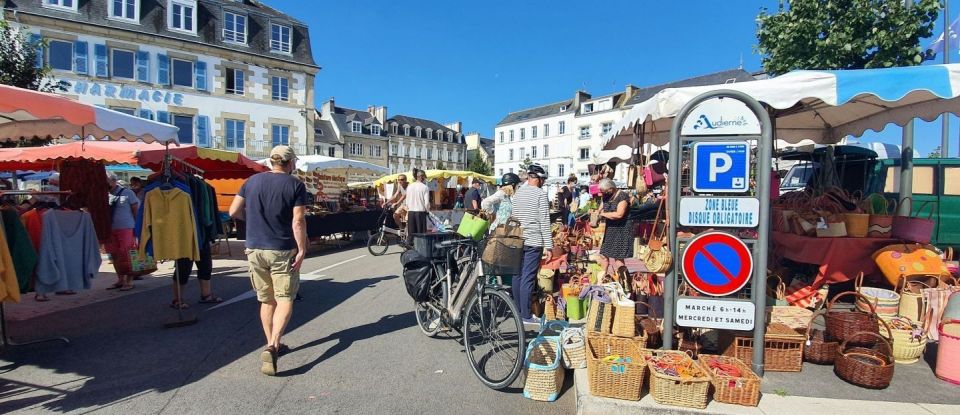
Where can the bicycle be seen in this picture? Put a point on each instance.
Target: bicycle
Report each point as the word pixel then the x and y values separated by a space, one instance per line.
pixel 462 299
pixel 379 241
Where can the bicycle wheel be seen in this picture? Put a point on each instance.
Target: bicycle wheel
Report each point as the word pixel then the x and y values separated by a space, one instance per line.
pixel 378 243
pixel 428 319
pixel 493 336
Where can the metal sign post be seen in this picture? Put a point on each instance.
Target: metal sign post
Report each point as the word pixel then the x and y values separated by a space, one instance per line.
pixel 718 127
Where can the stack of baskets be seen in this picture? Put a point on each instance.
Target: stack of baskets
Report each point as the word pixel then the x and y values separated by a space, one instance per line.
pixel 676 379
pixel 854 326
pixel 886 303
pixel 821 348
pixel 782 349
pixel 868 367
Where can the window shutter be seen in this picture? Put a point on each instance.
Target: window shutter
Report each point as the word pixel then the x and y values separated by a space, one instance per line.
pixel 100 59
pixel 146 114
pixel 163 70
pixel 80 62
pixel 143 66
pixel 35 39
pixel 163 116
pixel 200 73
pixel 202 137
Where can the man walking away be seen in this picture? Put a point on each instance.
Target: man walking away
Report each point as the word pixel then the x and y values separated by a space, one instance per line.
pixel 274 205
pixel 418 205
pixel 566 199
pixel 532 209
pixel 471 202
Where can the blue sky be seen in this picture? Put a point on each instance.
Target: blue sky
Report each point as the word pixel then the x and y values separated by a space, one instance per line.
pixel 475 61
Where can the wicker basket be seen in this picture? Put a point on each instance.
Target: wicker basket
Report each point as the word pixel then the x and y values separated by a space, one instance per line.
pixel 551 310
pixel 820 347
pixel 624 319
pixel 544 376
pixel 740 390
pixel 907 348
pixel 782 349
pixel 573 342
pixel 615 379
pixel 866 367
pixel 885 303
pixel 850 325
pixel 686 391
pixel 599 317
pixel 911 296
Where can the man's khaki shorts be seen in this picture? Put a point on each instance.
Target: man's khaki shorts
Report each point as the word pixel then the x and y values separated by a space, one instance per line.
pixel 272 275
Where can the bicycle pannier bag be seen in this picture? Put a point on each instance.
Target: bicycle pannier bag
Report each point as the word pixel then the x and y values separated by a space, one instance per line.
pixel 416 275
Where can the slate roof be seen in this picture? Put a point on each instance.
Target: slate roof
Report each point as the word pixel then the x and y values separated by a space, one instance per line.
pixel 344 116
pixel 153 21
pixel 534 113
pixel 323 132
pixel 645 93
pixel 414 122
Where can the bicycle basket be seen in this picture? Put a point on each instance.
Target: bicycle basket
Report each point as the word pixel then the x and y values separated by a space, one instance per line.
pixel 416 275
pixel 502 255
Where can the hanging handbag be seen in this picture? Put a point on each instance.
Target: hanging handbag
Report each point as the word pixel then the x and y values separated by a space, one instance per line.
pixel 511 228
pixel 659 258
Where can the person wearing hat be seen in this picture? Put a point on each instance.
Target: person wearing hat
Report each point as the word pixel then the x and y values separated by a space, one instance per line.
pixel 274 206
pixel 532 209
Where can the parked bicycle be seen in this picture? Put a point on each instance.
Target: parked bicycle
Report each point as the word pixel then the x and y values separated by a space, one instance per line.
pixel 462 298
pixel 387 230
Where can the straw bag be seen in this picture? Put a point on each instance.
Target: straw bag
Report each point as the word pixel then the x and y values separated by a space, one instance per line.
pixel 616 366
pixel 914 228
pixel 881 216
pixel 885 303
pixel 857 224
pixel 908 339
pixel 849 325
pixel 866 367
pixel 820 348
pixel 911 296
pixel 659 258
pixel 573 342
pixel 776 293
pixel 624 319
pixel 599 317
pixel 948 355
pixel 675 379
pixel 899 260
pixel 832 226
pixel 544 376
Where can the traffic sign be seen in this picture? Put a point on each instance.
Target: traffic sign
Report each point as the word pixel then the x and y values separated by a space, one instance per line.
pixel 716 314
pixel 726 212
pixel 717 264
pixel 721 167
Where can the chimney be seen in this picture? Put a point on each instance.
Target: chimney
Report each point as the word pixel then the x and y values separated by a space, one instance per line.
pixel 579 98
pixel 326 110
pixel 378 112
pixel 629 92
pixel 455 126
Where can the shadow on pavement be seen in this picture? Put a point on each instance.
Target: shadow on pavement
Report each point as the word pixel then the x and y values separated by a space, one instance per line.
pixel 119 349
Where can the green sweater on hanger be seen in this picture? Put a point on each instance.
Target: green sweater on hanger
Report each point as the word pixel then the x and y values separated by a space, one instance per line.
pixel 21 249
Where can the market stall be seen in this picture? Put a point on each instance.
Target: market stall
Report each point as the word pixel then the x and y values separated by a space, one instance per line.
pixel 444 186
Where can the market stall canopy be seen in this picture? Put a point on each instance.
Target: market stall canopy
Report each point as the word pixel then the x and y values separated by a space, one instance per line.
pixel 217 164
pixel 438 174
pixel 318 162
pixel 814 106
pixel 27 114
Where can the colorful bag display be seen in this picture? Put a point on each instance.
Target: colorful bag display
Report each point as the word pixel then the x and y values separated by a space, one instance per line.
pixel 881 216
pixel 904 260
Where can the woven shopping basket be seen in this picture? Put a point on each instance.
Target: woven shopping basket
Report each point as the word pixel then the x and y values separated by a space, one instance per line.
pixel 948 355
pixel 782 348
pixel 909 340
pixel 544 376
pixel 573 342
pixel 599 317
pixel 866 367
pixel 616 366
pixel 742 387
pixel 911 295
pixel 849 325
pixel 502 255
pixel 689 386
pixel 820 348
pixel 886 303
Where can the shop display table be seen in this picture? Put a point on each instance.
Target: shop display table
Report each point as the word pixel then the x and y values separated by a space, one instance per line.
pixel 333 223
pixel 840 259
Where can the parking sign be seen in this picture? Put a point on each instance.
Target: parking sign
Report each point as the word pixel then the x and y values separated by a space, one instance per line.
pixel 721 167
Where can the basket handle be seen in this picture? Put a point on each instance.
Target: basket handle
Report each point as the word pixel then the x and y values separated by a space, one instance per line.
pixel 903 282
pixel 889 354
pixel 858 282
pixel 781 290
pixel 932 209
pixel 873 310
pixel 813 317
pixel 650 310
pixel 889 331
pixel 534 343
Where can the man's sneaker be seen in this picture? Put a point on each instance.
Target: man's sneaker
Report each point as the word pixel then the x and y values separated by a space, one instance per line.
pixel 531 323
pixel 269 361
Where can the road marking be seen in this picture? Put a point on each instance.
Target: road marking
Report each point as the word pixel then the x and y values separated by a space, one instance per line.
pixel 334 265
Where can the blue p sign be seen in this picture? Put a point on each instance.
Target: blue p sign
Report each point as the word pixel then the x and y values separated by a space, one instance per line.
pixel 721 167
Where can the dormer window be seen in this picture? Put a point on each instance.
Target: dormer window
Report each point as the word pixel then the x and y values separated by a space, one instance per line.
pixel 70 5
pixel 375 129
pixel 449 136
pixel 125 10
pixel 182 16
pixel 280 38
pixel 234 28
pixel 393 128
pixel 356 127
pixel 418 132
pixel 406 130
pixel 587 108
pixel 439 135
pixel 563 108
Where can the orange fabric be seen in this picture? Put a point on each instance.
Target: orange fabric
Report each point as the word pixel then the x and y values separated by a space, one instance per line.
pixel 45 106
pixel 904 260
pixel 34 224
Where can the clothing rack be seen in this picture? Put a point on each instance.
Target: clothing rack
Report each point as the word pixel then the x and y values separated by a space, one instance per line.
pixel 5 341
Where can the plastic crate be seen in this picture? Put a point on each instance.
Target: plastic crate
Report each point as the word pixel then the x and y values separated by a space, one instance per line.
pixel 425 243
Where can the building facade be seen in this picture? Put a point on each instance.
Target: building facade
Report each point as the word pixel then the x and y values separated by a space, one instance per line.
pixel 231 74
pixel 566 137
pixel 424 144
pixel 479 145
pixel 359 134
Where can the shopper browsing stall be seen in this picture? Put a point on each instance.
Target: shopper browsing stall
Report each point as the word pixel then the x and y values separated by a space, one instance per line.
pixel 500 204
pixel 124 205
pixel 618 236
pixel 532 209
pixel 471 201
pixel 418 205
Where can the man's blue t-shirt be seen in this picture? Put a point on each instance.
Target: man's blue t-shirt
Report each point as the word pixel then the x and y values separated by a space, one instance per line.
pixel 471 196
pixel 269 199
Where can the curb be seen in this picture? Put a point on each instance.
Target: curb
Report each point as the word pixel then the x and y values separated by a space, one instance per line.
pixel 769 405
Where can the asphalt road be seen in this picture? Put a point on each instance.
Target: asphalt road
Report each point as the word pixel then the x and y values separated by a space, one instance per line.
pixel 355 349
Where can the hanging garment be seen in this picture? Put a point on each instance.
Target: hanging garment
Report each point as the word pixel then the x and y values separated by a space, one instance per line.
pixel 88 182
pixel 21 248
pixel 9 287
pixel 138 226
pixel 169 224
pixel 69 252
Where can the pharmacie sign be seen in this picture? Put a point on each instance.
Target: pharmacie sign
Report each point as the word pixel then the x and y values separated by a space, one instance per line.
pixel 109 90
pixel 724 212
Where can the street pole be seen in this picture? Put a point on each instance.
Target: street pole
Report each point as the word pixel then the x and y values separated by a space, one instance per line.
pixel 945 134
pixel 906 158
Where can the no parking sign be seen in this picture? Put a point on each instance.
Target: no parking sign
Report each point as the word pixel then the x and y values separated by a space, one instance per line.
pixel 717 264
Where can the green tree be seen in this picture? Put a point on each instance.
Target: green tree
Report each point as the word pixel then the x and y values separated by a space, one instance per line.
pixel 441 166
pixel 18 61
pixel 525 163
pixel 844 34
pixel 479 165
pixel 935 154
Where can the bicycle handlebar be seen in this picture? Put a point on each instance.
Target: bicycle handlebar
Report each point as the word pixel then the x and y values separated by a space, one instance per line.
pixel 455 242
